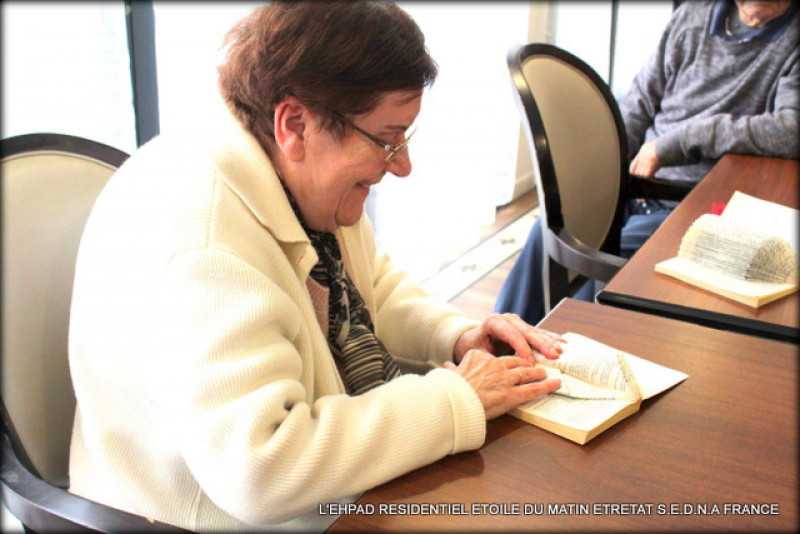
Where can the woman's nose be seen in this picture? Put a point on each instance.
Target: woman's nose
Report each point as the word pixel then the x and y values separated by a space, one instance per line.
pixel 400 165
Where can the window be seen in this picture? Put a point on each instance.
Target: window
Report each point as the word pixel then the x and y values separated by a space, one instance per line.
pixel 465 153
pixel 188 49
pixel 468 127
pixel 639 28
pixel 66 69
pixel 585 29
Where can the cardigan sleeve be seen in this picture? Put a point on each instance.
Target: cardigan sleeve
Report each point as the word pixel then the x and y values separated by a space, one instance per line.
pixel 260 442
pixel 414 326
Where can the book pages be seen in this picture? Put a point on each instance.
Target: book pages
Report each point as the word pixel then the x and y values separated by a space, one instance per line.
pixel 653 378
pixel 611 386
pixel 764 216
pixel 589 370
pixel 581 414
pixel 738 250
pixel 749 253
pixel 750 292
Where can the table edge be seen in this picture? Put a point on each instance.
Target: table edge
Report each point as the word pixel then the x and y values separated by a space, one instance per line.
pixel 722 321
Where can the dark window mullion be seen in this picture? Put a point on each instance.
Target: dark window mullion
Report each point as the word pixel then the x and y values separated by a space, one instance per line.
pixel 613 41
pixel 140 21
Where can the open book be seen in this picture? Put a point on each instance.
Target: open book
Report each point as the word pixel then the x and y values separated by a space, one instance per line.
pixel 748 254
pixel 600 386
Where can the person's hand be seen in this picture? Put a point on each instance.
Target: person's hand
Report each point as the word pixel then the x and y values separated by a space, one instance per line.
pixel 646 161
pixel 502 334
pixel 502 383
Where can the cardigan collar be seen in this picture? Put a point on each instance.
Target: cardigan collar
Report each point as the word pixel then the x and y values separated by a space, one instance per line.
pixel 247 169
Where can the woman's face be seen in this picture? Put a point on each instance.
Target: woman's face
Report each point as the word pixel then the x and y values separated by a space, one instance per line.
pixel 339 172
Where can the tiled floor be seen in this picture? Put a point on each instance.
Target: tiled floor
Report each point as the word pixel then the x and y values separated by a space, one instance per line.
pixel 479 261
pixel 488 264
pixel 8 522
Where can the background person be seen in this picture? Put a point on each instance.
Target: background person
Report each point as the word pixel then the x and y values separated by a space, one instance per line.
pixel 235 337
pixel 724 79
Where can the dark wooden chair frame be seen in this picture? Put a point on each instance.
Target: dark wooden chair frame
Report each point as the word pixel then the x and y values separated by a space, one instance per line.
pixel 563 251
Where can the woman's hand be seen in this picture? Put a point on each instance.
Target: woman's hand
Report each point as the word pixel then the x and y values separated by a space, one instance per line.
pixel 502 383
pixel 508 333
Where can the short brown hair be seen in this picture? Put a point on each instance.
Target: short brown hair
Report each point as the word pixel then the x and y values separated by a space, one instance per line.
pixel 334 56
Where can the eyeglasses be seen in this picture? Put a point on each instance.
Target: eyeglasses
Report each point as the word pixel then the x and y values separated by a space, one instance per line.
pixel 392 149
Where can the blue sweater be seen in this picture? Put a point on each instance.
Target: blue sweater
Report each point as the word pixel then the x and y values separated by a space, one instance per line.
pixel 703 94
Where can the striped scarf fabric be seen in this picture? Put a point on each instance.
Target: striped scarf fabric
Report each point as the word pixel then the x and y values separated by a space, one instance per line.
pixel 365 361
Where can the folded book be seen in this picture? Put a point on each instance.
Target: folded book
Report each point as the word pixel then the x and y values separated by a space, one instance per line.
pixel 600 386
pixel 748 253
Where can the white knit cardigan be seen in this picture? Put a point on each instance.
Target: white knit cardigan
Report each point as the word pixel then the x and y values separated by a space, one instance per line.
pixel 207 396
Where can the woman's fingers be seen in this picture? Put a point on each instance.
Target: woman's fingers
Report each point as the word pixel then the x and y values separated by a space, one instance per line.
pixel 503 383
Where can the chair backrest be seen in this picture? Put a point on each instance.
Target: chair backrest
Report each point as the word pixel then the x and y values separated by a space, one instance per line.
pixel 50 183
pixel 577 140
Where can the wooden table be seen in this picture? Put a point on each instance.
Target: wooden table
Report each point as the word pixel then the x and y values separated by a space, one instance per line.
pixel 726 435
pixel 638 287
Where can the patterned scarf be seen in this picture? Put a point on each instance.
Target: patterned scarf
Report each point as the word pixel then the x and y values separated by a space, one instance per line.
pixel 351 333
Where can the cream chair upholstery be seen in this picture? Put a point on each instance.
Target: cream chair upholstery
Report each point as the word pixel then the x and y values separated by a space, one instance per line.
pixel 50 183
pixel 584 145
pixel 579 149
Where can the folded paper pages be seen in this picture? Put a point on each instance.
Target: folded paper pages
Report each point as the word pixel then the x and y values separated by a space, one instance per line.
pixel 600 386
pixel 748 253
pixel 739 251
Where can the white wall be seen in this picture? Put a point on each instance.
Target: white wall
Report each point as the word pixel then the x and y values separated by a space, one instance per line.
pixel 465 151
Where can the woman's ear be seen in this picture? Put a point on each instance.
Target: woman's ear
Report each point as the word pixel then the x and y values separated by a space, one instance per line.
pixel 291 121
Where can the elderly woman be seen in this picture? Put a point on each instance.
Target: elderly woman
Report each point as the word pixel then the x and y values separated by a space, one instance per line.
pixel 236 339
